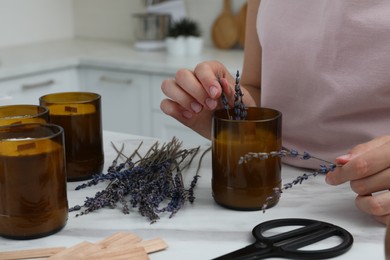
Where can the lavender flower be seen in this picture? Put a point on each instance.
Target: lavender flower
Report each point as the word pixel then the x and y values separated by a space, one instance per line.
pixel 277 192
pixel 224 99
pixel 239 108
pixel 153 184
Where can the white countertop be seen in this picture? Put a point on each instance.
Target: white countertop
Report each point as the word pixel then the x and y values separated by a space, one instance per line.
pixel 205 230
pixel 35 58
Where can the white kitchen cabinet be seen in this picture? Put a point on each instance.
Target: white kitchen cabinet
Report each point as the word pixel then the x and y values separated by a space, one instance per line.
pixel 131 103
pixel 130 99
pixel 125 98
pixel 164 126
pixel 28 89
pixel 167 127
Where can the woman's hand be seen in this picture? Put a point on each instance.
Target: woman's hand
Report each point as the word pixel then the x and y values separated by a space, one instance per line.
pixel 194 95
pixel 367 168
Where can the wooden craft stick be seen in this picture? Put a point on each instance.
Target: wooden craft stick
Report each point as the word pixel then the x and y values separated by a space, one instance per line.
pixel 127 240
pixel 31 253
pixel 111 239
pixel 153 245
pixel 119 239
pixel 123 252
pixel 120 245
pixel 77 251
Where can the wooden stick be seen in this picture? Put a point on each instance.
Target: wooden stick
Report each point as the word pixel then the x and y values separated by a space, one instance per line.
pixel 111 239
pixel 120 253
pixel 31 253
pixel 153 245
pixel 125 240
pixel 118 246
pixel 77 251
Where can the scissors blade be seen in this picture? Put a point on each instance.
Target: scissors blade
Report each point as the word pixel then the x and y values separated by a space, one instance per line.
pixel 253 251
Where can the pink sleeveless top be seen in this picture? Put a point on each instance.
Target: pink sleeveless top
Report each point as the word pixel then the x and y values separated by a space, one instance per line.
pixel 326 67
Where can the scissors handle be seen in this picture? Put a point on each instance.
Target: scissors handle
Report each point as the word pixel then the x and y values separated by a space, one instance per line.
pixel 288 244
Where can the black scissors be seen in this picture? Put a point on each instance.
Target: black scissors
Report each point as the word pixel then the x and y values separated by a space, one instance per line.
pixel 288 244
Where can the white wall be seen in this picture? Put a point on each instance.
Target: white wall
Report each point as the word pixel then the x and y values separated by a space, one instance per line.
pixel 112 18
pixel 27 21
pixel 107 19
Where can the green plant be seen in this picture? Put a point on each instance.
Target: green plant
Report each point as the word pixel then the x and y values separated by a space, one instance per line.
pixel 184 27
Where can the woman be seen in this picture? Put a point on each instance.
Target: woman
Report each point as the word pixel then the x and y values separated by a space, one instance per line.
pixel 323 64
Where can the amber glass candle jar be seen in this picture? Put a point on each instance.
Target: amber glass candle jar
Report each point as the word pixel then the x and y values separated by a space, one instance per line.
pixel 33 199
pixel 79 113
pixel 245 186
pixel 21 114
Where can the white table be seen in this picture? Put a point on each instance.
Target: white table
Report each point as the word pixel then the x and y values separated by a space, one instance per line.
pixel 205 230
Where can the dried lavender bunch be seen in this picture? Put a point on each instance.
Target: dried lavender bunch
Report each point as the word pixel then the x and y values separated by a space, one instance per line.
pixel 324 168
pixel 153 183
pixel 240 112
pixel 239 108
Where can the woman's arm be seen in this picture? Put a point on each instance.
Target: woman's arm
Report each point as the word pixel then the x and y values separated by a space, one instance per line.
pixel 192 96
pixel 251 72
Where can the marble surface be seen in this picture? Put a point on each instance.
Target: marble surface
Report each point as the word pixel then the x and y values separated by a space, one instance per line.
pixel 206 230
pixel 40 57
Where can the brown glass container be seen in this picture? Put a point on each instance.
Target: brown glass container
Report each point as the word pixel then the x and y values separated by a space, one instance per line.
pixel 79 113
pixel 22 114
pixel 33 199
pixel 245 186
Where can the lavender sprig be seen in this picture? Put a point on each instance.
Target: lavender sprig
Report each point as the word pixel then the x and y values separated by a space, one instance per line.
pixel 277 192
pixel 239 108
pixel 153 184
pixel 224 100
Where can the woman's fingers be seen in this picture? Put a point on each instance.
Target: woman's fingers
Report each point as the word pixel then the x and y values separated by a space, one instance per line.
pixel 198 89
pixel 188 82
pixel 367 167
pixel 176 111
pixel 365 164
pixel 377 205
pixel 201 122
pixel 189 103
pixel 192 96
pixel 208 73
pixel 374 183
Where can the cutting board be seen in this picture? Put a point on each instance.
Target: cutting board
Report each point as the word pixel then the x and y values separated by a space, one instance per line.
pixel 225 31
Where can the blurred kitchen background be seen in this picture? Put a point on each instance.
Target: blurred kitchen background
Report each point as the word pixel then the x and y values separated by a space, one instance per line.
pixel 30 21
pixel 49 46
